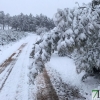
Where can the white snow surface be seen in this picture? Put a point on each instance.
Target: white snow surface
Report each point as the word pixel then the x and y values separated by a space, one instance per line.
pixel 67 70
pixel 16 85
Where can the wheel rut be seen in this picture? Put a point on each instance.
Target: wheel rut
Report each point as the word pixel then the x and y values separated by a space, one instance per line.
pixel 9 62
pixel 45 90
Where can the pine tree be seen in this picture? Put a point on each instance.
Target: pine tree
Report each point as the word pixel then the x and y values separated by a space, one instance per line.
pixel 77 31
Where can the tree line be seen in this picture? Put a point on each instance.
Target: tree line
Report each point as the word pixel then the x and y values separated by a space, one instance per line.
pixel 25 22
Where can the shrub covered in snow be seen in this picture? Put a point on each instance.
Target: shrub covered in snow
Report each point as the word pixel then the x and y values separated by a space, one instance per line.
pixel 7 36
pixel 41 30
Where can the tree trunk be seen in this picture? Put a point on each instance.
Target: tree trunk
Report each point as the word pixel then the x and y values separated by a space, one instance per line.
pixel 3 26
pixel 8 26
pixel 16 28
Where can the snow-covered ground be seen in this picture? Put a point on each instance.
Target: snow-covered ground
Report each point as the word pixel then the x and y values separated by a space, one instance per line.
pixel 67 70
pixel 16 85
pixel 14 79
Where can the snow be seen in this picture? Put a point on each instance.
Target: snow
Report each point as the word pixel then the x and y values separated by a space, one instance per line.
pixel 67 70
pixel 63 44
pixel 16 86
pixel 76 31
pixel 9 49
pixel 5 28
pixel 69 41
pixel 82 36
pixel 37 48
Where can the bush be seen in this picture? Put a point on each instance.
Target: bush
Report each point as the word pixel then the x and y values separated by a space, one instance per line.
pixel 8 36
pixel 41 30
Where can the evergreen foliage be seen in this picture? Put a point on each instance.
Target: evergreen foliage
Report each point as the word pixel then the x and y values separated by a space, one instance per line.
pixel 77 32
pixel 26 22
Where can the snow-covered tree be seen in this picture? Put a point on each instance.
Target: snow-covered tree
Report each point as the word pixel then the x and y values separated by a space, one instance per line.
pixel 2 18
pixel 77 31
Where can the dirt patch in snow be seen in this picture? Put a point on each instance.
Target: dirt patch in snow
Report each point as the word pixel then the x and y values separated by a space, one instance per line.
pixel 11 59
pixel 45 89
pixel 6 63
pixel 64 89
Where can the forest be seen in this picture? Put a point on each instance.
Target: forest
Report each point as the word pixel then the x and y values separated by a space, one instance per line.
pixel 26 22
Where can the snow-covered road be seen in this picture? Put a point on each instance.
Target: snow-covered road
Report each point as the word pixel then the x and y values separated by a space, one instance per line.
pixel 14 61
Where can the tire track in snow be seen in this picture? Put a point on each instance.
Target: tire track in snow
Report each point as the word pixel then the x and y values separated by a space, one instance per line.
pixel 10 59
pixel 22 89
pixel 10 89
pixel 45 88
pixel 9 62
